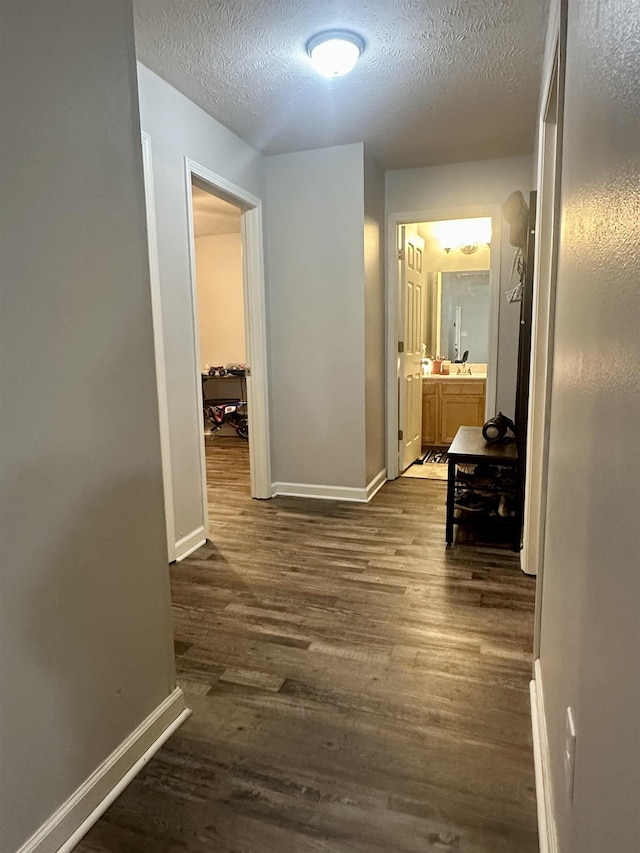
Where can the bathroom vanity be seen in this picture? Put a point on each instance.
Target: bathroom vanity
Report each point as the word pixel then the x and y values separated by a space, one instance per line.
pixel 449 402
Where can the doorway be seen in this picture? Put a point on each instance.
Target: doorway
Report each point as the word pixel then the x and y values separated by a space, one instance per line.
pixel 234 316
pixel 445 285
pixel 217 239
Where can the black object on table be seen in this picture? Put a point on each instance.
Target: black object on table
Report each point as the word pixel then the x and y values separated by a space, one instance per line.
pixel 495 481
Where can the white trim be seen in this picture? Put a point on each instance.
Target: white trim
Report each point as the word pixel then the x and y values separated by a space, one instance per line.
pixel 158 346
pixel 255 324
pixel 394 221
pixel 548 185
pixel 376 484
pixel 197 370
pixel 329 493
pixel 75 817
pixel 544 797
pixel 190 543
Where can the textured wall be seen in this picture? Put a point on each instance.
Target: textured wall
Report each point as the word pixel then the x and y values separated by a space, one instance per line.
pixel 85 646
pixel 590 634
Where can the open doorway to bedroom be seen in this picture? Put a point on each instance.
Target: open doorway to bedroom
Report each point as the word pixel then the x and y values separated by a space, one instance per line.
pixel 222 339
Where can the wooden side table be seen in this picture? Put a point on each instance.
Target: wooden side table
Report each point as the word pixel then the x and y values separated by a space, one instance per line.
pixel 469 446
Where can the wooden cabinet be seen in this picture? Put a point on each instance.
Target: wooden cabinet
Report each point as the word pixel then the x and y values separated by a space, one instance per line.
pixel 448 404
pixel 429 413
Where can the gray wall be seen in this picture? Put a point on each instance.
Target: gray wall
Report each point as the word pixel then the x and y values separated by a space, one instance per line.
pixel 590 632
pixel 179 128
pixel 85 643
pixel 374 309
pixel 315 222
pixel 487 182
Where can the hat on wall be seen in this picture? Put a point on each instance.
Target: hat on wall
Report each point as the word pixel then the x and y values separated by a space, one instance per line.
pixel 516 213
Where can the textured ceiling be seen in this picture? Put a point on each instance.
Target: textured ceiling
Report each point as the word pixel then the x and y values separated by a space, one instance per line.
pixel 213 215
pixel 440 81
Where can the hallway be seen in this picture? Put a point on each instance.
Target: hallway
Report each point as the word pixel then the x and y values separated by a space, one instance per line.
pixel 356 688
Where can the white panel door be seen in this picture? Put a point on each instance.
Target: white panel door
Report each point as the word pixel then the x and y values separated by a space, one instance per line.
pixel 413 315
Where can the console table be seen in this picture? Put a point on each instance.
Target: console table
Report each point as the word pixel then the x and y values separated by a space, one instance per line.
pixel 484 496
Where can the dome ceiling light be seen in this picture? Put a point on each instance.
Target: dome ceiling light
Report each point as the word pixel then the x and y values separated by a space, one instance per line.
pixel 334 53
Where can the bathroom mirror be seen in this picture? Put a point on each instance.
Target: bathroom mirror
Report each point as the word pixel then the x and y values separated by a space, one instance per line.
pixel 458 315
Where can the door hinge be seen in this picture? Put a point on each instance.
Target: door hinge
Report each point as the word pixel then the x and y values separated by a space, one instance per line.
pixel 401 254
pixel 400 346
pixel 400 435
pixel 247 371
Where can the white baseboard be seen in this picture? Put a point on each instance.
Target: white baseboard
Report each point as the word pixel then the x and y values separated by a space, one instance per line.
pixel 75 817
pixel 376 484
pixel 546 820
pixel 329 493
pixel 525 561
pixel 190 543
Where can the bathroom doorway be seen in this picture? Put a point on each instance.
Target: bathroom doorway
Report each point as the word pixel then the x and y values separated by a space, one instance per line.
pixel 442 332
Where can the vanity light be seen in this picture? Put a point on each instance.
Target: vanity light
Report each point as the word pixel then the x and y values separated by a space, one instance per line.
pixel 334 53
pixel 464 234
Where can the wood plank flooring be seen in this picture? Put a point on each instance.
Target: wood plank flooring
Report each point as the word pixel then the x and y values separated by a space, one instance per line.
pixel 356 687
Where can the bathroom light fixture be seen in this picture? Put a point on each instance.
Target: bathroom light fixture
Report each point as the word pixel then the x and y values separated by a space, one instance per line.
pixel 467 235
pixel 334 53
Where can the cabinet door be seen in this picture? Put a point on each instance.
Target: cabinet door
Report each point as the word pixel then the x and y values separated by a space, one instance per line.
pixel 429 413
pixel 459 411
pixel 461 404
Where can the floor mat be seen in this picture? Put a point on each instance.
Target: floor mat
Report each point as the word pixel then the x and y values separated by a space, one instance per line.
pixel 434 455
pixel 427 471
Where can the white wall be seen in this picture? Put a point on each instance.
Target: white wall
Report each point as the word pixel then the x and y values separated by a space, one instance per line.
pixel 590 629
pixel 220 299
pixel 464 185
pixel 179 128
pixel 85 644
pixel 315 222
pixel 374 343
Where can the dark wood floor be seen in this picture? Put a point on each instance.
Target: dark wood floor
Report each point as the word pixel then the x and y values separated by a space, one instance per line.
pixel 356 687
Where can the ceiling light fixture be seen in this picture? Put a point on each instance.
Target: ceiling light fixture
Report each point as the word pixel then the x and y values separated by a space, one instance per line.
pixel 334 53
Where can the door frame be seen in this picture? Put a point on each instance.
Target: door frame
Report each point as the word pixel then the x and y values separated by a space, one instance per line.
pixel 394 322
pixel 255 321
pixel 549 202
pixel 158 345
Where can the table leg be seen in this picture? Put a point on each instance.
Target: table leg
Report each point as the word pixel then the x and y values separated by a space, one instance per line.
pixel 451 488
